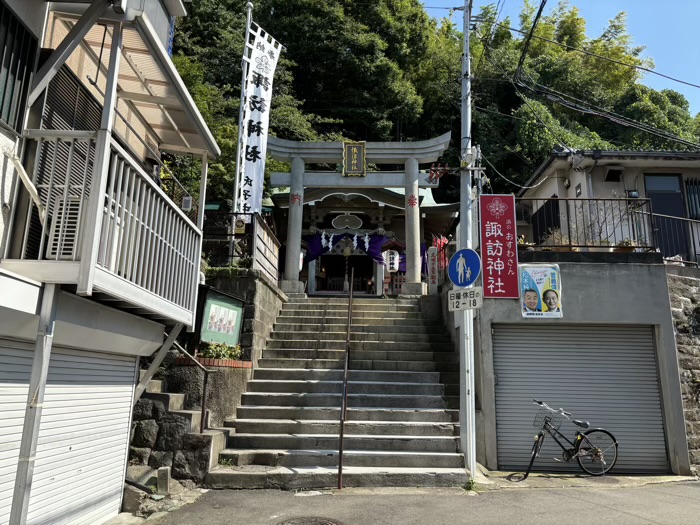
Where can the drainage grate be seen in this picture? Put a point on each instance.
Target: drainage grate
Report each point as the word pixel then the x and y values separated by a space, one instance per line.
pixel 310 521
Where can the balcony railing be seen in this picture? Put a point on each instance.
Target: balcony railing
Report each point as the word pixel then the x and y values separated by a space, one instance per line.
pixel 589 224
pixel 678 238
pixel 148 250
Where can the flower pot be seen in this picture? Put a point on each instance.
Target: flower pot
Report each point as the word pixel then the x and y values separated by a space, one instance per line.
pixel 625 249
pixel 209 362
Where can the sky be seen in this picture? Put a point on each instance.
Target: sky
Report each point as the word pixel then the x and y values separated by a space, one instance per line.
pixel 669 31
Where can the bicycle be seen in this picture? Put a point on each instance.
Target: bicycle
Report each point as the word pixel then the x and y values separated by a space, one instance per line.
pixel 594 449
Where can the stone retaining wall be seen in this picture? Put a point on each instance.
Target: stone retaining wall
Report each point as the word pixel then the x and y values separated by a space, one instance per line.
pixel 161 439
pixel 685 307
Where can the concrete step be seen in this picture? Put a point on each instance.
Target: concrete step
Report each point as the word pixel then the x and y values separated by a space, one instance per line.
pixel 432 415
pixel 356 300
pixel 393 443
pixel 154 385
pixel 319 314
pixel 354 387
pixel 333 400
pixel 366 337
pixel 351 458
pixel 193 417
pixel 356 364
pixel 327 477
pixel 357 328
pixel 361 355
pixel 366 306
pixel 320 426
pixel 172 402
pixel 325 344
pixel 378 319
pixel 303 374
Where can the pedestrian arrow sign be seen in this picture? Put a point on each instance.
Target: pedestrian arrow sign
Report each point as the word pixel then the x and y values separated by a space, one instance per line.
pixel 464 268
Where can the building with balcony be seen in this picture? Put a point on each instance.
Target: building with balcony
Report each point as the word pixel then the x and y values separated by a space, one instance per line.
pixel 99 244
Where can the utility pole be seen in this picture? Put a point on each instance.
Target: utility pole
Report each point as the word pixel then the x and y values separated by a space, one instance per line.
pixel 467 406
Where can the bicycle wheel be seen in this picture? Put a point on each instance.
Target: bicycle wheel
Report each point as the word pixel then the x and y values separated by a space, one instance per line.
pixel 536 447
pixel 597 452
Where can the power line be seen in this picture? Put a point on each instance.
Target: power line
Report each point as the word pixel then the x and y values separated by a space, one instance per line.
pixel 589 53
pixel 526 44
pixel 498 113
pixel 510 181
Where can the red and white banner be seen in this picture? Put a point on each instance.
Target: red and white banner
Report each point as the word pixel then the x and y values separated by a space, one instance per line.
pixel 499 250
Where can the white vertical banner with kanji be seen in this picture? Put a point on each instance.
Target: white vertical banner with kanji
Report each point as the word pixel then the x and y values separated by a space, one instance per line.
pixel 260 55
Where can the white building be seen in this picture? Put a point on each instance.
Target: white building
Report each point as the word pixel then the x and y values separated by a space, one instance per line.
pixel 98 262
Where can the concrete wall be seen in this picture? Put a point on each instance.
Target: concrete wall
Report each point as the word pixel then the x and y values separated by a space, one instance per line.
pixel 224 390
pixel 601 293
pixel 264 301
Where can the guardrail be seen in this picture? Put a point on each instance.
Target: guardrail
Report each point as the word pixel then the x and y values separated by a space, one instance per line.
pixel 344 400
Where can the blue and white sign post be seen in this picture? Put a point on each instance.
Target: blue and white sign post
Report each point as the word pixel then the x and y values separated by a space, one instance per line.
pixel 463 270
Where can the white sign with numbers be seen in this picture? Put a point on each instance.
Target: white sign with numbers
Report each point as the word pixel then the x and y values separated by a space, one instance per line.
pixel 465 299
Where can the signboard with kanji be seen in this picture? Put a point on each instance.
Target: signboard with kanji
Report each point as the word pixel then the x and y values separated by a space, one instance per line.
pixel 432 270
pixel 468 299
pixel 354 164
pixel 499 250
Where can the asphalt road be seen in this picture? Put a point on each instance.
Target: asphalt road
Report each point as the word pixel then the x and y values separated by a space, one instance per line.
pixel 668 503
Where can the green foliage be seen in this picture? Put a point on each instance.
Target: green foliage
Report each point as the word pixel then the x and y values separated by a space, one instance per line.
pixel 219 351
pixel 384 70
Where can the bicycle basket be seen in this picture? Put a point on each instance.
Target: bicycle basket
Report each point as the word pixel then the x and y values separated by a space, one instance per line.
pixel 542 415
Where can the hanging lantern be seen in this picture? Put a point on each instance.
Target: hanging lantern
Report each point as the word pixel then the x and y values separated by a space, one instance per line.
pixel 391 260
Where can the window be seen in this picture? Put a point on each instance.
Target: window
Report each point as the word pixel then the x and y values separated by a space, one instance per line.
pixel 18 48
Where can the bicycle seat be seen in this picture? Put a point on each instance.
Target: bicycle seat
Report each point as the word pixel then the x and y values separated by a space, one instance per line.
pixel 582 424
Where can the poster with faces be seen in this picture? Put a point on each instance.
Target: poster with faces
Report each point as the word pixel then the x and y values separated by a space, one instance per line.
pixel 540 291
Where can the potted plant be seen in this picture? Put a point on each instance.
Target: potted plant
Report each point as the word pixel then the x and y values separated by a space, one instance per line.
pixel 217 354
pixel 626 245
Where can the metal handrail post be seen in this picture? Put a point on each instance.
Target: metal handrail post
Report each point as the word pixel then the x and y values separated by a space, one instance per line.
pixel 203 418
pixel 344 402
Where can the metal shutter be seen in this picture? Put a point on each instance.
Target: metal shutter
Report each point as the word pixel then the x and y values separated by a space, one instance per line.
pixel 83 438
pixel 15 369
pixel 603 374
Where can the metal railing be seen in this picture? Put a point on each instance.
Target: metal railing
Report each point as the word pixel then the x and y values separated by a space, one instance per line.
pixel 144 239
pixel 589 224
pixel 344 400
pixel 678 238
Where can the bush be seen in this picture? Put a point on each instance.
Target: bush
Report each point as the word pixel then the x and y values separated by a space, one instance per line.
pixel 219 351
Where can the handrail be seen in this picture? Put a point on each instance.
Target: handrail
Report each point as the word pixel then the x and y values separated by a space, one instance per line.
pixel 206 371
pixel 344 402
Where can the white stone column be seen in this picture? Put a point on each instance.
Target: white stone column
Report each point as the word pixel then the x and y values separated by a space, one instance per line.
pixel 379 278
pixel 291 283
pixel 413 285
pixel 312 278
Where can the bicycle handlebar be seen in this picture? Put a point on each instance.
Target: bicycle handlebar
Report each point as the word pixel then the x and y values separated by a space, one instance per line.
pixel 561 411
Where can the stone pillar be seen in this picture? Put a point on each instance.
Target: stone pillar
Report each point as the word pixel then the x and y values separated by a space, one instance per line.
pixel 291 283
pixel 413 285
pixel 312 278
pixel 379 278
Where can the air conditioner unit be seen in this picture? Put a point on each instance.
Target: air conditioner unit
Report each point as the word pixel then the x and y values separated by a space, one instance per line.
pixel 64 236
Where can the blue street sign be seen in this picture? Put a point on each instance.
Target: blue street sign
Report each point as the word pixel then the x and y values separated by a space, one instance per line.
pixel 464 268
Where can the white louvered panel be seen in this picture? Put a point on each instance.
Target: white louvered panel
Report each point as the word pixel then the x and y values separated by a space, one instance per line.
pixel 83 439
pixel 15 369
pixel 64 237
pixel 603 374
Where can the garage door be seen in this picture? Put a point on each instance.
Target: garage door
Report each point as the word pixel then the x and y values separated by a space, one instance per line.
pixel 15 369
pixel 603 374
pixel 83 438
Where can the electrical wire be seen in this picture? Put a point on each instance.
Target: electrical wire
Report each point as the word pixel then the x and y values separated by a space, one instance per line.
pixel 526 44
pixel 510 181
pixel 614 61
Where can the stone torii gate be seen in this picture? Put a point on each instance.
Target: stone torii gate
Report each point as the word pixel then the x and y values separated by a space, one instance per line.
pixel 410 154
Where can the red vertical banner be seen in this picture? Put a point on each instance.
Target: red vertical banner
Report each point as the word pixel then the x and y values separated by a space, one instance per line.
pixel 499 250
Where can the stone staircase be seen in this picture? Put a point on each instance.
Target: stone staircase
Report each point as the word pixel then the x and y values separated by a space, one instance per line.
pixel 401 427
